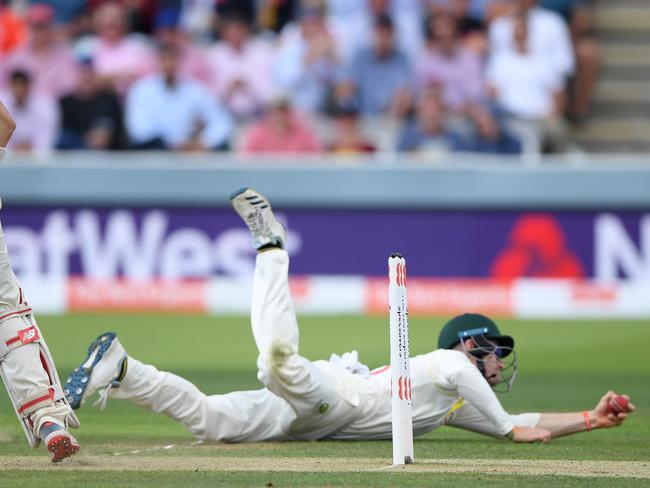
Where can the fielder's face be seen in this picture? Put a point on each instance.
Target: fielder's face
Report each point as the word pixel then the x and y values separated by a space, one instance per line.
pixel 493 366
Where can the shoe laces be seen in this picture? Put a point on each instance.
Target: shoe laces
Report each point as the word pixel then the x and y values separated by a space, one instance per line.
pixel 104 394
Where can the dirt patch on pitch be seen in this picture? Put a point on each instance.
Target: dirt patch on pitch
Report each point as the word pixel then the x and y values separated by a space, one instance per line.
pixel 622 469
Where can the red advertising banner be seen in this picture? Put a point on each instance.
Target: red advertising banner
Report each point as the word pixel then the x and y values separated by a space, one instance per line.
pixel 447 297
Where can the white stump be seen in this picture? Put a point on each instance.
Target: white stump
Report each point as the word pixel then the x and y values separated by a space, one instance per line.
pixel 399 362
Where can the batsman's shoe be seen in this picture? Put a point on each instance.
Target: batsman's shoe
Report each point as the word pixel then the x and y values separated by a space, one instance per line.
pixel 58 441
pixel 256 212
pixel 104 368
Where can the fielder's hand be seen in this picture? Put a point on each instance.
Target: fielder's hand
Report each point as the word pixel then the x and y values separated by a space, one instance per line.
pixel 530 434
pixel 604 417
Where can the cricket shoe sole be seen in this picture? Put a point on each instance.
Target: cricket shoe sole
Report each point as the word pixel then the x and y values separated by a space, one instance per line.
pixel 62 446
pixel 104 367
pixel 59 441
pixel 257 213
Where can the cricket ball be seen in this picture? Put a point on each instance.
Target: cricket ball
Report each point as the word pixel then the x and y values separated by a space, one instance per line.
pixel 618 404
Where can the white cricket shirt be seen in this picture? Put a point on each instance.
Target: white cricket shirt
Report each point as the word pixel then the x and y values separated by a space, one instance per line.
pixel 439 379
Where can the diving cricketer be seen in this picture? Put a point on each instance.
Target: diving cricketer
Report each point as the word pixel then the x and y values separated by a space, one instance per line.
pixel 337 399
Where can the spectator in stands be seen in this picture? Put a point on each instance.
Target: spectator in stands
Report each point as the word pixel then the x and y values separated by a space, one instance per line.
pixel 380 75
pixel 352 23
pixel 138 15
pixel 13 31
pixel 240 68
pixel 46 57
pixel 529 91
pixel 548 36
pixel 166 111
pixel 91 115
pixel 192 57
pixel 36 115
pixel 281 130
pixel 273 15
pixel 65 11
pixel 198 18
pixel 119 60
pixel 471 29
pixel 244 9
pixel 348 138
pixel 426 132
pixel 488 135
pixel 306 61
pixel 578 16
pixel 447 63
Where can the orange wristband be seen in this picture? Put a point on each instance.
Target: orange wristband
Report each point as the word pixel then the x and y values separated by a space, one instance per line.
pixel 585 414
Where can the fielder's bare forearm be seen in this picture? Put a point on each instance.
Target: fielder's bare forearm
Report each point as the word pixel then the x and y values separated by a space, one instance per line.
pixel 560 424
pixel 7 125
pixel 602 416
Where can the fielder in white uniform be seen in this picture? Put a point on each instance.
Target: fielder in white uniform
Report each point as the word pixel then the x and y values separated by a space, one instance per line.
pixel 26 365
pixel 336 399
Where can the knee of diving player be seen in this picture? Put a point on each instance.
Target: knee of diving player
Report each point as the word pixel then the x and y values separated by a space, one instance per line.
pixel 280 362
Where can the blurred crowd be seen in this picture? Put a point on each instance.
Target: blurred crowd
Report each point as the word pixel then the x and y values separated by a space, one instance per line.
pixel 310 76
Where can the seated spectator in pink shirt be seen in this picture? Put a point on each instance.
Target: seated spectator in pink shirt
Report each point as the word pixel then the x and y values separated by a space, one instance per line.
pixel 280 130
pixel 118 59
pixel 193 58
pixel 451 66
pixel 36 115
pixel 47 56
pixel 91 116
pixel 240 67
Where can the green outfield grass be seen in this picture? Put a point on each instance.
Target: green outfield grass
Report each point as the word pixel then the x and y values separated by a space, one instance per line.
pixel 564 366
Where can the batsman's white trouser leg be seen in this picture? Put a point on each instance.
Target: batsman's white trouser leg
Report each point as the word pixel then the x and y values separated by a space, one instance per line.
pixel 246 416
pixel 32 389
pixel 9 288
pixel 312 392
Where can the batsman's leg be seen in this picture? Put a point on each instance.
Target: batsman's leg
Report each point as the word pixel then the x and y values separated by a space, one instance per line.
pixel 28 372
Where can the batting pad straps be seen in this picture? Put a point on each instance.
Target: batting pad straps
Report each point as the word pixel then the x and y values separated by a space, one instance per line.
pixel 44 398
pixel 14 334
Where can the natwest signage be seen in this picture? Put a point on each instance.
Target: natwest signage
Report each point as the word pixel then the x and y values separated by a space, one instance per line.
pixel 148 244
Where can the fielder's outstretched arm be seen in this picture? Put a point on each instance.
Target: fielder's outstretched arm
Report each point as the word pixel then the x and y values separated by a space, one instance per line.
pixel 7 126
pixel 600 417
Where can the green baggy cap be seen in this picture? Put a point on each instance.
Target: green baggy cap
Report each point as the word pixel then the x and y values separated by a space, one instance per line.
pixel 474 323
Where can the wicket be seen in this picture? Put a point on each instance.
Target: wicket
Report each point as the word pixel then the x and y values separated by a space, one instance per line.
pixel 399 362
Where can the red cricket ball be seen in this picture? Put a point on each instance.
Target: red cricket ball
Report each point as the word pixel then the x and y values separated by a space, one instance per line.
pixel 618 404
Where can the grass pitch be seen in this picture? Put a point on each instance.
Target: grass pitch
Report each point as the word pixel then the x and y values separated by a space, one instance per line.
pixel 564 366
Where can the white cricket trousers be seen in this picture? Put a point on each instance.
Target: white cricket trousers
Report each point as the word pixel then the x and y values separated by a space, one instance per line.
pixel 26 378
pixel 302 399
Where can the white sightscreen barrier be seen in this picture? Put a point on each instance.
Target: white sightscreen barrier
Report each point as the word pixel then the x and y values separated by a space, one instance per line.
pixel 399 362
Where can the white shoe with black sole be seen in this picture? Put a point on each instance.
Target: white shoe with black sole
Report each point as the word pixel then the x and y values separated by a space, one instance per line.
pixel 257 213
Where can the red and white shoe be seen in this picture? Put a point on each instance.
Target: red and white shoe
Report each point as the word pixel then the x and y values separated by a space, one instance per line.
pixel 58 441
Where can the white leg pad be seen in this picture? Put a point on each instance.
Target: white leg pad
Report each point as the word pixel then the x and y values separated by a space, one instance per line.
pixel 29 374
